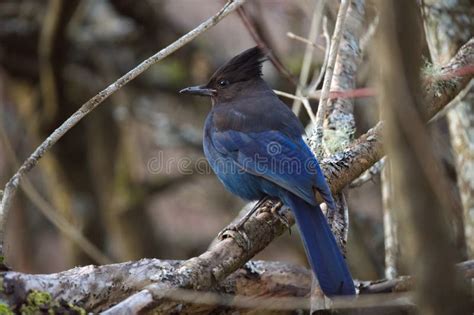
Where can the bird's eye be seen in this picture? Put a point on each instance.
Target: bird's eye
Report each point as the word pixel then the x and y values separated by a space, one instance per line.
pixel 223 83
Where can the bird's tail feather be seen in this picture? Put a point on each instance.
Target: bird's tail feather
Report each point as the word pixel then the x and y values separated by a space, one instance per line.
pixel 321 248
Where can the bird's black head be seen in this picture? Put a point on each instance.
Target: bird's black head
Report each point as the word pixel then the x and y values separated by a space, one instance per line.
pixel 233 77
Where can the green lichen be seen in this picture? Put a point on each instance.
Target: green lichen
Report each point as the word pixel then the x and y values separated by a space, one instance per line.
pixel 337 140
pixel 35 301
pixel 38 302
pixel 430 69
pixel 5 309
pixel 76 309
pixel 436 79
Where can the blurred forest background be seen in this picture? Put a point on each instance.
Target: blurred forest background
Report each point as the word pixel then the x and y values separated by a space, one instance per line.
pixel 131 178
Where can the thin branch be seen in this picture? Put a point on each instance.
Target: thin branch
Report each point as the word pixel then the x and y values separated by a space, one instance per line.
pixel 369 175
pixel 305 41
pixel 12 185
pixel 302 99
pixel 365 40
pixel 348 93
pixel 318 79
pixel 457 100
pixel 250 25
pixel 308 54
pixel 333 50
pixel 50 31
pixel 390 226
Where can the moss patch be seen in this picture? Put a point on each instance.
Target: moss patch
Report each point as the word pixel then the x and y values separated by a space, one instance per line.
pixel 38 302
pixel 5 309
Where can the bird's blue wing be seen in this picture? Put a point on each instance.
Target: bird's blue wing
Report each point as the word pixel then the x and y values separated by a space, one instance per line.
pixel 285 161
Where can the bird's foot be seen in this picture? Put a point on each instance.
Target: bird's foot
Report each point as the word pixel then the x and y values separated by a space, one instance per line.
pixel 276 210
pixel 236 232
pixel 274 207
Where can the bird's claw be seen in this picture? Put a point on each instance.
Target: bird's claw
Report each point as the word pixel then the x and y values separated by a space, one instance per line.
pixel 235 231
pixel 275 210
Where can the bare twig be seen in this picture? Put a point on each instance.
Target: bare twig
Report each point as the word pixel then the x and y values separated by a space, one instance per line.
pixel 262 44
pixel 304 40
pixel 333 50
pixel 47 40
pixel 303 100
pixel 12 185
pixel 456 101
pixel 390 226
pixel 318 79
pixel 308 54
pixel 369 174
pixel 365 40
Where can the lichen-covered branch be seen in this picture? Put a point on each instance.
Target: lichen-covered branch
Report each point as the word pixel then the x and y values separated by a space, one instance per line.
pixel 260 285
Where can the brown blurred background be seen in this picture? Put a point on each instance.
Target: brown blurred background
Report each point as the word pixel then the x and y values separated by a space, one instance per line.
pixel 131 177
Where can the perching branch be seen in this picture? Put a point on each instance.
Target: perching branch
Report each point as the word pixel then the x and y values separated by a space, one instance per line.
pixel 260 285
pixel 12 185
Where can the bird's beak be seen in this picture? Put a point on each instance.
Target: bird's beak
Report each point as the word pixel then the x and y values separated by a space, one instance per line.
pixel 198 90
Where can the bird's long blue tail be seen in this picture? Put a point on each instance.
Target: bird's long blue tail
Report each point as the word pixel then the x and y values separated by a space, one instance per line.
pixel 321 248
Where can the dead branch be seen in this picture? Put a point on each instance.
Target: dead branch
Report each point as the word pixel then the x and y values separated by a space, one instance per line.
pixel 258 285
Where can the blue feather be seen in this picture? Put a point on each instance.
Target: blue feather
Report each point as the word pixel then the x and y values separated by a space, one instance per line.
pixel 321 248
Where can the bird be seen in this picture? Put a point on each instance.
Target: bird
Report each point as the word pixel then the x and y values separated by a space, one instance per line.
pixel 255 145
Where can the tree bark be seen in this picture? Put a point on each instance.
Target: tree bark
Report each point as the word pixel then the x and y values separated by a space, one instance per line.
pixel 448 24
pixel 259 285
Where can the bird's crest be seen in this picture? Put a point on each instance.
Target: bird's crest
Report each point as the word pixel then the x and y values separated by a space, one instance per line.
pixel 245 66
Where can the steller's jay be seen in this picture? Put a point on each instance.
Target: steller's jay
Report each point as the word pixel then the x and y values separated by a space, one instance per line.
pixel 254 144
